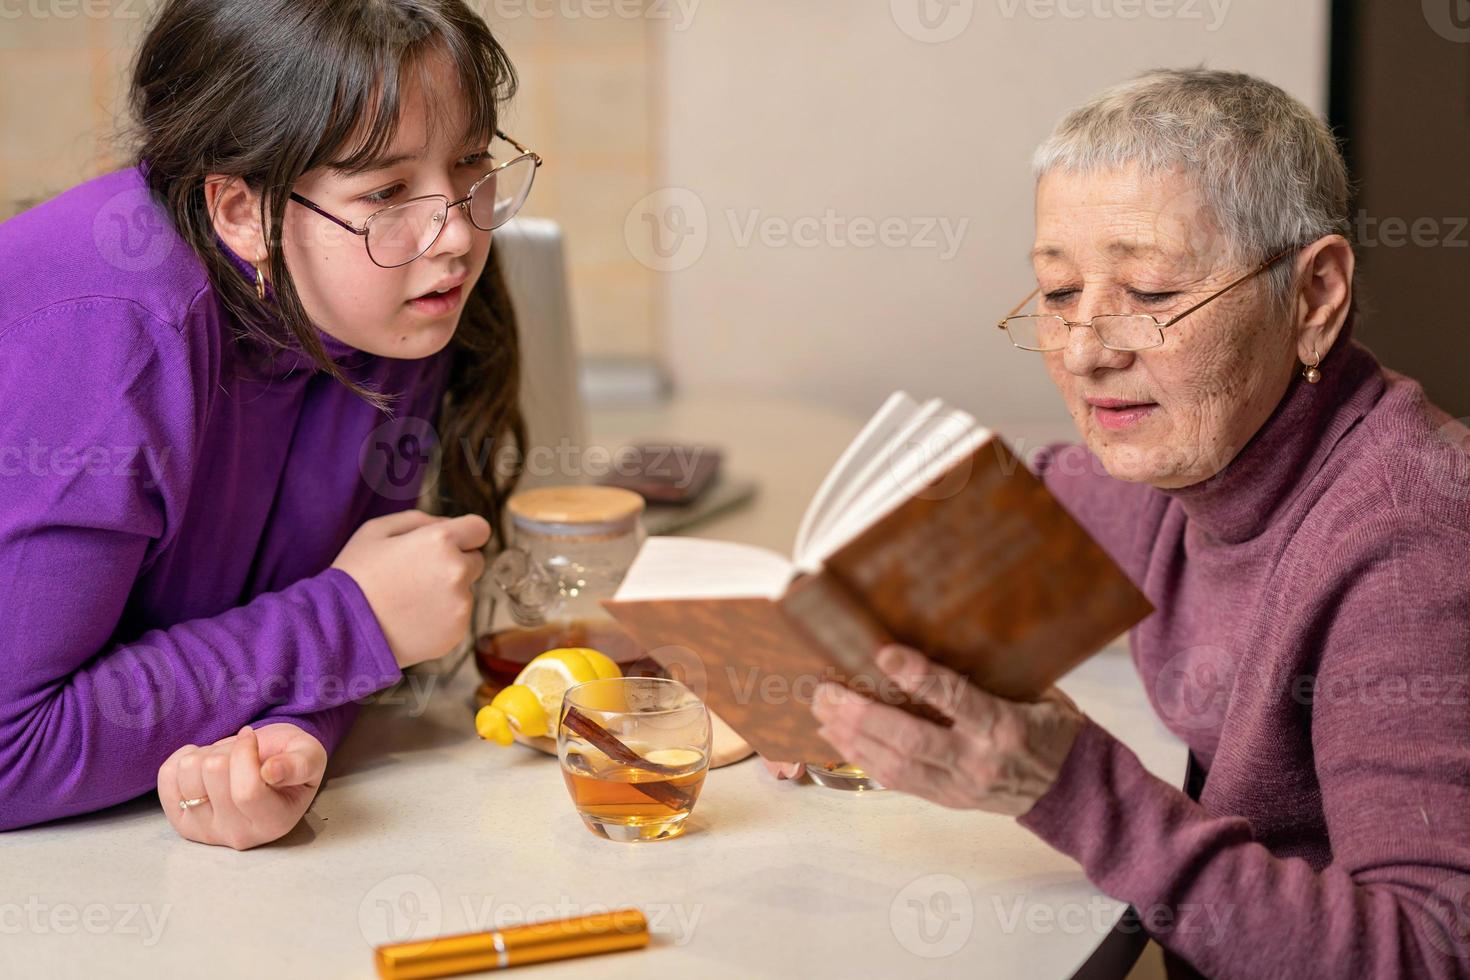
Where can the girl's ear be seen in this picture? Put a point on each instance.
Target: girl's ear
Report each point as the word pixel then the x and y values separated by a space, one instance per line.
pixel 235 211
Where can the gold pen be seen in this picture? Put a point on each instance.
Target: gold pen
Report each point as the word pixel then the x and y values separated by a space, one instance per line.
pixel 559 939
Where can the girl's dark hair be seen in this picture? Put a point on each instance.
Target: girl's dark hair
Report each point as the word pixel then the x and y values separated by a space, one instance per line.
pixel 267 90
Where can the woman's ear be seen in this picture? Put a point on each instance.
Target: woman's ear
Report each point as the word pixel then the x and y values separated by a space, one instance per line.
pixel 1324 296
pixel 235 210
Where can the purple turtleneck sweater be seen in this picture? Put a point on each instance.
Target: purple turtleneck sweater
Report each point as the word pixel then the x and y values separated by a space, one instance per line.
pixel 1312 646
pixel 169 510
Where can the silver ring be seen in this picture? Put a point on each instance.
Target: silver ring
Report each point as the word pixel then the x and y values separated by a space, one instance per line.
pixel 187 805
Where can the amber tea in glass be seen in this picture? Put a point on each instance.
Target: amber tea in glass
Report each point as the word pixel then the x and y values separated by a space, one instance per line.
pixel 634 752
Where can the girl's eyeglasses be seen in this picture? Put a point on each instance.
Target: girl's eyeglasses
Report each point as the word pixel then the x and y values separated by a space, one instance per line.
pixel 397 235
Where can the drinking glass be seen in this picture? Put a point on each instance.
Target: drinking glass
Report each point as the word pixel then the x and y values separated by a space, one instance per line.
pixel 634 752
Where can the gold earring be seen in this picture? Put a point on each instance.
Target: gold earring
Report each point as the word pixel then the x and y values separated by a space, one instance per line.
pixel 1311 373
pixel 260 278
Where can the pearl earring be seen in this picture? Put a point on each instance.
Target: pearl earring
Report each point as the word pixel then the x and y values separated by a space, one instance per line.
pixel 1311 373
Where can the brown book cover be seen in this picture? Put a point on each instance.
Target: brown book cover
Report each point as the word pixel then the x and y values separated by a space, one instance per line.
pixel 981 569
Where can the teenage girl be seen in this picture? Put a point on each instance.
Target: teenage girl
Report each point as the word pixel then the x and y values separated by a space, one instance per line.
pixel 221 372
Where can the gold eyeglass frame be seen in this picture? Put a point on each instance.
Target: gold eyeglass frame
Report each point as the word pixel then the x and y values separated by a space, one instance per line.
pixel 442 218
pixel 1161 325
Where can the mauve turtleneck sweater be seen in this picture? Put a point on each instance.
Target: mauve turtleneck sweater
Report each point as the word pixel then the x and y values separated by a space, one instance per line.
pixel 1312 646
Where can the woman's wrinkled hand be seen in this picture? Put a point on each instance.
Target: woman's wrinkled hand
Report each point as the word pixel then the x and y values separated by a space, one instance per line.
pixel 1000 756
pixel 258 783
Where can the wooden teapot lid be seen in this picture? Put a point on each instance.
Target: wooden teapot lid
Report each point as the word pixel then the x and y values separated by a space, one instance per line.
pixel 575 509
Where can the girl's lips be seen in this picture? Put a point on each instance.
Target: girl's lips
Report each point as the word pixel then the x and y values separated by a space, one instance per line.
pixel 1123 416
pixel 437 305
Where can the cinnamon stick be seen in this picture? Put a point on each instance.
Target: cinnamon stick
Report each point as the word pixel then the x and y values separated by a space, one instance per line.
pixel 612 747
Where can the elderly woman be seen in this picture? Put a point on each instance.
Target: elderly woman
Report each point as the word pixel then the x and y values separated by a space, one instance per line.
pixel 1299 516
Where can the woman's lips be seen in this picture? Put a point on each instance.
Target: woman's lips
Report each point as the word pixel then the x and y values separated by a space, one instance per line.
pixel 437 304
pixel 1117 414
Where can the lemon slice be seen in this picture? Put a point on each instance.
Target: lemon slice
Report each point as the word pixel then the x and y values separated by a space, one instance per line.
pixel 547 678
pixel 551 673
pixel 534 699
pixel 585 663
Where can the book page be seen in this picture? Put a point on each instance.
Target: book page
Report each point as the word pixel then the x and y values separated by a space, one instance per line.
pixel 697 568
pixel 869 468
pixel 927 455
pixel 882 427
pixel 951 440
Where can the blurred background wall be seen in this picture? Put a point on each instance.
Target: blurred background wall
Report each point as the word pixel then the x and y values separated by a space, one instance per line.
pixel 586 104
pixel 1401 97
pixel 919 117
pixel 826 199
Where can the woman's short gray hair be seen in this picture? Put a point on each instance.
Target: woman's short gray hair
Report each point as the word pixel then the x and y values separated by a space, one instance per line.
pixel 1268 168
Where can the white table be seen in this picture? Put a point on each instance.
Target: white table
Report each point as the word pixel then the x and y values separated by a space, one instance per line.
pixel 423 829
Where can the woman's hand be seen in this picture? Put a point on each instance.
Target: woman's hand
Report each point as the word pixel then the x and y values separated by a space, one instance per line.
pixel 257 783
pixel 1000 756
pixel 784 770
pixel 417 571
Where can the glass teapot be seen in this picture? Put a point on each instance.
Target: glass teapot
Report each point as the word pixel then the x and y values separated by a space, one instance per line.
pixel 569 548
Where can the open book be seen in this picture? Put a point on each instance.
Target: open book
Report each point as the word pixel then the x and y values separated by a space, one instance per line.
pixel 926 531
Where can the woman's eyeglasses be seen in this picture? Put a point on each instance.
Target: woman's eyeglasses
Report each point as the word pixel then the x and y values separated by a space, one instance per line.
pixel 397 235
pixel 1115 331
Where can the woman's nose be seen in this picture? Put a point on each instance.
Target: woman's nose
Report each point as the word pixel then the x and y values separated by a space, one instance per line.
pixel 1085 353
